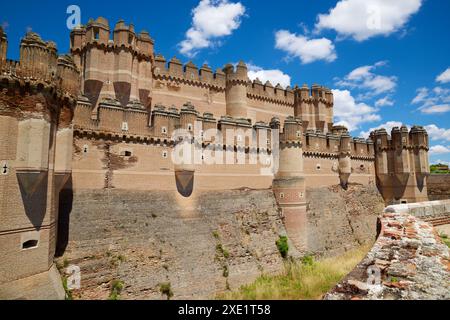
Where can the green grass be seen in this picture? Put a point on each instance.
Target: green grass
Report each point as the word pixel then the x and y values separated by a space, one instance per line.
pixel 445 239
pixel 300 280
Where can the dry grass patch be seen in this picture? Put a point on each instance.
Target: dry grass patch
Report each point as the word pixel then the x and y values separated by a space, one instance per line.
pixel 301 280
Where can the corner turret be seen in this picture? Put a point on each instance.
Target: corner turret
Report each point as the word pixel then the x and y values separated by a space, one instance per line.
pixel 236 90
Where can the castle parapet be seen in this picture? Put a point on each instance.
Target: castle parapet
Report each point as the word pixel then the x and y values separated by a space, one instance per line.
pixel 190 73
pixel 401 161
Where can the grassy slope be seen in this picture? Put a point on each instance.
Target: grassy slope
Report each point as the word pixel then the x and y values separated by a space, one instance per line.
pixel 300 281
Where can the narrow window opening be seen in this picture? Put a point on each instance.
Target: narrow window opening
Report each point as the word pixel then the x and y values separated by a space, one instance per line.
pixel 30 244
pixel 96 34
pixel 127 153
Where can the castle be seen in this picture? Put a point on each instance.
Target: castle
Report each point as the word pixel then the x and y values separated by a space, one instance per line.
pixel 104 117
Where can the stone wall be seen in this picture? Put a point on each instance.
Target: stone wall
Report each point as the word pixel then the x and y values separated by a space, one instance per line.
pixel 439 186
pixel 409 261
pixel 339 220
pixel 199 245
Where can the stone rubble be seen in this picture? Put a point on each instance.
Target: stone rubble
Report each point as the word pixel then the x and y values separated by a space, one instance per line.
pixel 409 261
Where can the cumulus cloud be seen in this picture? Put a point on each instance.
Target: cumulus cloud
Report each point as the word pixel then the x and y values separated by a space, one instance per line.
pixel 211 20
pixel 438 134
pixel 439 149
pixel 350 113
pixel 433 101
pixel 364 78
pixel 307 50
pixel 275 76
pixel 444 77
pixel 439 161
pixel 384 102
pixel 388 126
pixel 363 19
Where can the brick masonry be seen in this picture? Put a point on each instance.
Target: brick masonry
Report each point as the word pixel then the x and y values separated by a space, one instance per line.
pixel 409 261
pixel 148 238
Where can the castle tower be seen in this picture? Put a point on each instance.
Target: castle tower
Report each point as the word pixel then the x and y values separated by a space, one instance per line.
pixel 38 59
pixel 345 164
pixel 289 182
pixel 118 68
pixel 236 90
pixel 31 151
pixel 401 162
pixel 3 46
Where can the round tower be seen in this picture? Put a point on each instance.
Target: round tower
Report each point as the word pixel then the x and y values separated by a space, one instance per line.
pixel 345 164
pixel 236 90
pixel 29 156
pixel 289 183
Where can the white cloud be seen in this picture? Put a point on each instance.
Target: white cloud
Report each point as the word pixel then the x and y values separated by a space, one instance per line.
pixel 439 149
pixel 441 108
pixel 307 50
pixel 364 78
pixel 384 102
pixel 441 162
pixel 275 76
pixel 388 126
pixel 438 134
pixel 363 19
pixel 211 20
pixel 444 77
pixel 350 113
pixel 433 101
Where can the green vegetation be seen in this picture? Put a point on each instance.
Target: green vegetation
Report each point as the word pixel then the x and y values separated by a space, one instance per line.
pixel 116 289
pixel 66 289
pixel 216 235
pixel 166 290
pixel 445 239
pixel 222 251
pixel 283 246
pixel 439 169
pixel 301 280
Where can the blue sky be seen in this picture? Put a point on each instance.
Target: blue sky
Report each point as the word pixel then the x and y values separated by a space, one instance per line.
pixel 385 60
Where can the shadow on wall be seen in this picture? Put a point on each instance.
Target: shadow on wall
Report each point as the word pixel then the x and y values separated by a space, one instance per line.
pixel 65 209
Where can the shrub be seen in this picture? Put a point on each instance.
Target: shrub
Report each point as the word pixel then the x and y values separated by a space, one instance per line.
pixel 68 295
pixel 283 246
pixel 308 260
pixel 166 289
pixel 116 289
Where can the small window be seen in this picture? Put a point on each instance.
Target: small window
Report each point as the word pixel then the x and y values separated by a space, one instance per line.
pixel 30 244
pixel 404 201
pixel 300 195
pixel 362 167
pixel 164 154
pixel 299 134
pixel 96 34
pixel 163 130
pixel 268 142
pixel 318 167
pixel 127 154
pixel 281 195
pixel 189 127
pixel 239 138
pixel 124 126
pixel 85 149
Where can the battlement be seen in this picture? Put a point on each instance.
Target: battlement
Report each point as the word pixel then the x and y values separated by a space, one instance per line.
pixel 401 138
pixel 39 62
pixel 316 93
pixel 190 73
pixel 267 92
pixel 98 33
